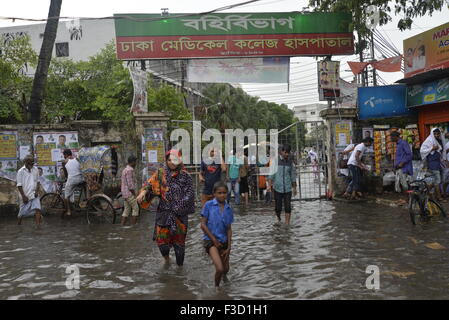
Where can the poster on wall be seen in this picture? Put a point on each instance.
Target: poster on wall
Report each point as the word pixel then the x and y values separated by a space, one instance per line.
pixel 343 133
pixel 47 178
pixel 8 169
pixel 8 155
pixel 153 150
pixel 328 79
pixel 8 145
pixel 368 133
pixel 48 146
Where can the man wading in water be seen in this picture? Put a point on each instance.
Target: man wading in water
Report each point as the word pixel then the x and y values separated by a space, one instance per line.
pixel 283 181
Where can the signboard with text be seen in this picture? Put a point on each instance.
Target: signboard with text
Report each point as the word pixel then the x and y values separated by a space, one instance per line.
pixel 222 35
pixel 431 92
pixel 426 51
pixel 382 102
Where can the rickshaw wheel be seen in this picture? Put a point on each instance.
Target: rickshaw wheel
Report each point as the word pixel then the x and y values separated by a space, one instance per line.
pixel 52 204
pixel 100 209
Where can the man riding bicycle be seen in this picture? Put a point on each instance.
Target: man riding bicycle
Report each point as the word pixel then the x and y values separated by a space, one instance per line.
pixel 74 176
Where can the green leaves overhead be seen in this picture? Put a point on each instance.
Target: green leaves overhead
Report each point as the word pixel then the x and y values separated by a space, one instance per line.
pixel 408 9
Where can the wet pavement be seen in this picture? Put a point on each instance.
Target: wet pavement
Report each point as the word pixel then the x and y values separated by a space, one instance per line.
pixel 324 254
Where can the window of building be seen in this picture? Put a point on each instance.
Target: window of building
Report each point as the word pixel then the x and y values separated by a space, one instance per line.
pixel 62 49
pixel 312 112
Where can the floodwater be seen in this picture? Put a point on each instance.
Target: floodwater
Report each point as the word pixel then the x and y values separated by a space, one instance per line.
pixel 324 254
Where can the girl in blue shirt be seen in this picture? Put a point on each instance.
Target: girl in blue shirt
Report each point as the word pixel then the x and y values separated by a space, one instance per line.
pixel 216 220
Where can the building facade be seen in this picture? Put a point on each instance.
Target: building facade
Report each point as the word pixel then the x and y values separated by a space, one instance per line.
pixel 309 113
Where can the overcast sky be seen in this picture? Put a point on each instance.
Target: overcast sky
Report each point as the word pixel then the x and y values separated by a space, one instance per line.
pixel 303 70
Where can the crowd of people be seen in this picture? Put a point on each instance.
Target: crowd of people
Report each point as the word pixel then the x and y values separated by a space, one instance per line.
pixel 171 189
pixel 434 156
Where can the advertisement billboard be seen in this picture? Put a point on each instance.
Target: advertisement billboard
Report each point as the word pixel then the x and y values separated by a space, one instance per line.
pixel 246 70
pixel 382 102
pixel 225 35
pixel 426 51
pixel 431 92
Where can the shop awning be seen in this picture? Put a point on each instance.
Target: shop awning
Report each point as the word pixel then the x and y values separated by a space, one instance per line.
pixel 426 77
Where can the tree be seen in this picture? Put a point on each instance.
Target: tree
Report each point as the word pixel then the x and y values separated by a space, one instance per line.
pixel 409 8
pixel 40 77
pixel 100 88
pixel 16 56
pixel 235 109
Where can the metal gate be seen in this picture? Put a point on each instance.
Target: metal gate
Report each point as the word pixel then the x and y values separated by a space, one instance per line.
pixel 312 178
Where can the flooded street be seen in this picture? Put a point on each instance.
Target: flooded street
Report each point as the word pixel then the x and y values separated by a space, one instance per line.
pixel 322 255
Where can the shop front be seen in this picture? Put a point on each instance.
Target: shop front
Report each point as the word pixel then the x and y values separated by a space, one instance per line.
pixel 431 100
pixel 382 110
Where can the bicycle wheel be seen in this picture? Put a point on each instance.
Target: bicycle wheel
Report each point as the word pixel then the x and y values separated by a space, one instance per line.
pixel 52 204
pixel 100 209
pixel 433 209
pixel 414 209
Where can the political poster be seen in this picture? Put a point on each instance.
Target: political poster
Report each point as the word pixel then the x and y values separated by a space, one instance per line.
pixel 328 80
pixel 8 155
pixel 47 178
pixel 8 145
pixel 153 150
pixel 48 148
pixel 8 169
pixel 343 133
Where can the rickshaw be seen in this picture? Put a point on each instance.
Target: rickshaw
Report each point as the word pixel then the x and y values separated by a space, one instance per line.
pixel 88 197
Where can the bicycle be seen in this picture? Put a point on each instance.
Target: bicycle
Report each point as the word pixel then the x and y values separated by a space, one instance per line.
pixel 52 203
pixel 421 206
pixel 97 208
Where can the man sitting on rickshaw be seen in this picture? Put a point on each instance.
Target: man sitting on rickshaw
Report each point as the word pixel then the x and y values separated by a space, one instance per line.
pixel 74 176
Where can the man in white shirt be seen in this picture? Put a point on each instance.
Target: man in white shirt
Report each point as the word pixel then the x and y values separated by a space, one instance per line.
pixel 356 166
pixel 28 186
pixel 345 155
pixel 314 161
pixel 74 176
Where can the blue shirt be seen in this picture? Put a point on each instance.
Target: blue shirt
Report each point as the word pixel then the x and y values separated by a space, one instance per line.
pixel 217 222
pixel 404 154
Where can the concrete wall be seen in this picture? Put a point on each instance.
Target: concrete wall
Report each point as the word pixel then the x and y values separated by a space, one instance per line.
pixel 125 136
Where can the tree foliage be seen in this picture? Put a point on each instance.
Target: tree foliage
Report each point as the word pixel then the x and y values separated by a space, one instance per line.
pixel 235 109
pixel 98 89
pixel 16 57
pixel 409 9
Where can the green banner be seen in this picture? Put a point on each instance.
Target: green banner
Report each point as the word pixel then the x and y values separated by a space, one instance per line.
pixel 432 92
pixel 137 25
